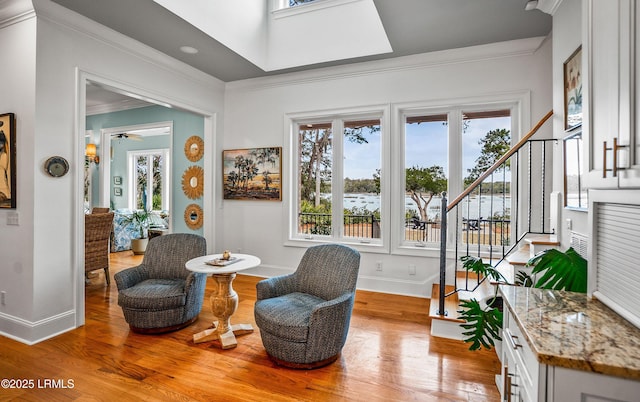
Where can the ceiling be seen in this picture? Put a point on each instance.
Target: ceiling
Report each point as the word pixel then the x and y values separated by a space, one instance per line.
pixel 412 26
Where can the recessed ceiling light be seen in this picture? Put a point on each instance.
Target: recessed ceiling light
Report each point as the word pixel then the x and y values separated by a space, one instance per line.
pixel 189 49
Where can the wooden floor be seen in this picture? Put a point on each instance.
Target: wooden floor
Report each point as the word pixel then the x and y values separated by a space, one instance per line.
pixel 389 356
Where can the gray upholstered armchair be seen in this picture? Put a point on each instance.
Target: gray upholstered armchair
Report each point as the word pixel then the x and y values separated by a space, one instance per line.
pixel 304 316
pixel 161 295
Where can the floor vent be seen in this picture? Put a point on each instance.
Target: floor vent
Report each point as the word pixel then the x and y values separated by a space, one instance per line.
pixel 579 243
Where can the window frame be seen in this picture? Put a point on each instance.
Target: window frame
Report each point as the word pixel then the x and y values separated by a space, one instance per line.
pixel 392 177
pixel 132 155
pixel 292 122
pixel 519 105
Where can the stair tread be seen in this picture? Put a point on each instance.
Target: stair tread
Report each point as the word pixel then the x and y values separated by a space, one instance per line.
pixel 550 240
pixel 519 257
pixel 451 304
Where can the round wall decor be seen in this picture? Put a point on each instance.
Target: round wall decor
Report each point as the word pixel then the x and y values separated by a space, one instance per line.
pixel 56 166
pixel 193 182
pixel 193 216
pixel 194 148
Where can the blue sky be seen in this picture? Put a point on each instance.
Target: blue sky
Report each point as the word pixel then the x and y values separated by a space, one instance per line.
pixel 426 145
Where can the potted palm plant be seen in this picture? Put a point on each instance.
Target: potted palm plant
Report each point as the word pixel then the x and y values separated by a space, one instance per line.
pixel 139 219
pixel 553 269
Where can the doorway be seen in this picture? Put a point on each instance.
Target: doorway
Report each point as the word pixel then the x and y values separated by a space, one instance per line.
pixel 123 98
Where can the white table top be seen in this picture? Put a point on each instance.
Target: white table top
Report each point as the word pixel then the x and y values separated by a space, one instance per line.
pixel 245 261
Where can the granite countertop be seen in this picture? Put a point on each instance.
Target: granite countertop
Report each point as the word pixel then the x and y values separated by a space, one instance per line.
pixel 576 331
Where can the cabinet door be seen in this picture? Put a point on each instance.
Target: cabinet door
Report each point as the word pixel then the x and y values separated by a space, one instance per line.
pixel 608 92
pixel 575 385
pixel 630 155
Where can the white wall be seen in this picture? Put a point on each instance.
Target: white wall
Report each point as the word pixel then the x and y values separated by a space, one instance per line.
pixel 43 280
pixel 567 37
pixel 254 117
pixel 17 80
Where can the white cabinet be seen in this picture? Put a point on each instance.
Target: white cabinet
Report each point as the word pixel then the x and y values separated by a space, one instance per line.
pixel 573 385
pixel 525 379
pixel 522 376
pixel 610 97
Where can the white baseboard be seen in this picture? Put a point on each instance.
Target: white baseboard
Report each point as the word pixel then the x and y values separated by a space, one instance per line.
pixel 30 333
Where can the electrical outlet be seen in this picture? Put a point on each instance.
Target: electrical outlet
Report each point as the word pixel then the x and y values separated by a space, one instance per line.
pixel 412 269
pixel 3 295
pixel 379 266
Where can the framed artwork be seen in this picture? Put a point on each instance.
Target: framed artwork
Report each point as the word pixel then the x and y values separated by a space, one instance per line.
pixel 7 160
pixel 117 180
pixel 252 174
pixel 573 90
pixel 117 191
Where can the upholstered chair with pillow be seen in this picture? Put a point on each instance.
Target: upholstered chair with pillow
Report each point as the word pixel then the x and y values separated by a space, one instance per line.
pixel 304 316
pixel 160 294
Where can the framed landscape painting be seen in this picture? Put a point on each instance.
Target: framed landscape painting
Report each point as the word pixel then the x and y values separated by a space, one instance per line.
pixel 7 160
pixel 252 174
pixel 573 90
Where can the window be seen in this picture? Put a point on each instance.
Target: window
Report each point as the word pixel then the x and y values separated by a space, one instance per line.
pixel 338 179
pixel 359 182
pixel 148 172
pixel 445 151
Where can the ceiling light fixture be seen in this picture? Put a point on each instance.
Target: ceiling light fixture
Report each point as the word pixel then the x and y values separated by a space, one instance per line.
pixel 531 5
pixel 191 50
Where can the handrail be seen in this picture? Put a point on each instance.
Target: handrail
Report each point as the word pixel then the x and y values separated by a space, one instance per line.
pixel 499 162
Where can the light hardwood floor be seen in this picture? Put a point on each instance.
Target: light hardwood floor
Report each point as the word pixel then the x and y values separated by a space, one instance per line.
pixel 389 356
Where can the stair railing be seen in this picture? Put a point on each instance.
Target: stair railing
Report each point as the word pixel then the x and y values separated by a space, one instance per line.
pixel 511 203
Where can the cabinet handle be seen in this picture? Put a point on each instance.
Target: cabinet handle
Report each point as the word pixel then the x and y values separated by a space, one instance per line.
pixel 616 148
pixel 512 340
pixel 506 383
pixel 604 159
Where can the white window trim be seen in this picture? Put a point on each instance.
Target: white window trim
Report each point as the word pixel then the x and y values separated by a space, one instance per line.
pixel 291 123
pixel 517 102
pixel 166 174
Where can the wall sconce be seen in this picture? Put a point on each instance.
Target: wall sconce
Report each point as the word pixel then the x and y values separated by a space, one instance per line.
pixel 90 152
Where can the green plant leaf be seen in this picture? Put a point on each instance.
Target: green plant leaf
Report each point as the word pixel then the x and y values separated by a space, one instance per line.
pixel 475 264
pixel 560 271
pixel 482 326
pixel 523 279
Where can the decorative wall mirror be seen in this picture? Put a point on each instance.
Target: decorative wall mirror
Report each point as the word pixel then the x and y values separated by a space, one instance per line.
pixel 193 216
pixel 575 195
pixel 193 182
pixel 194 148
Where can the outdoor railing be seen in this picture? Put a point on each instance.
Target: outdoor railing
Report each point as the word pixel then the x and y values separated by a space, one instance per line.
pixel 360 226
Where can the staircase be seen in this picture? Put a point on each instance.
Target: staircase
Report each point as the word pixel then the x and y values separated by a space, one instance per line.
pixel 517 228
pixel 448 326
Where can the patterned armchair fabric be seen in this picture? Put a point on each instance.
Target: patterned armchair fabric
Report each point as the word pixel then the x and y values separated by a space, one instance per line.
pixel 124 232
pixel 161 295
pixel 304 317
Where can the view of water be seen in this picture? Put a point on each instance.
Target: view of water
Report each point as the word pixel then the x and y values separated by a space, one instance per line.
pixel 470 208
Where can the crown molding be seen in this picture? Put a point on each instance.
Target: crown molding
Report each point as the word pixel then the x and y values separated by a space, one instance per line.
pixel 514 48
pixel 63 17
pixel 14 11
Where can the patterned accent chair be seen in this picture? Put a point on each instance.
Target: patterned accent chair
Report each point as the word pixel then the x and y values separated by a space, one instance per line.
pixel 161 295
pixel 304 316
